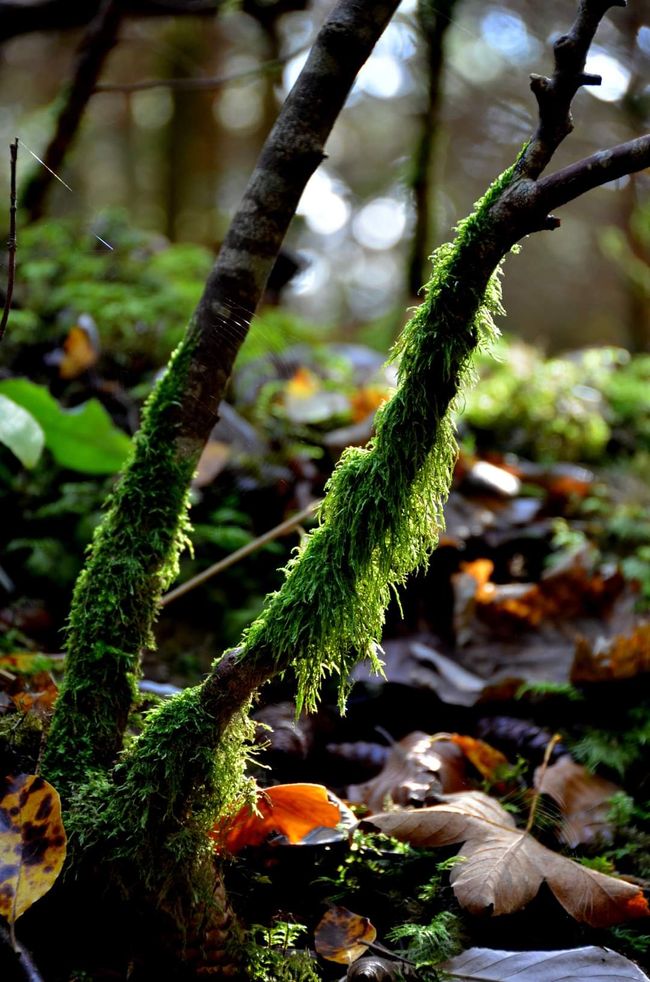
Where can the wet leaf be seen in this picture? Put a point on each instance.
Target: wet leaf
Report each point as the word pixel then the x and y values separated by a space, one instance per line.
pixel 575 965
pixel 584 801
pixel 418 768
pixel 504 866
pixel 292 810
pixel 32 843
pixel 342 936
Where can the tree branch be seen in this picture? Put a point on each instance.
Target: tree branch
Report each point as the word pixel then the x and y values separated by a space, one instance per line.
pixel 95 48
pixel 591 172
pixel 57 15
pixel 198 84
pixel 11 241
pixel 555 94
pixel 126 574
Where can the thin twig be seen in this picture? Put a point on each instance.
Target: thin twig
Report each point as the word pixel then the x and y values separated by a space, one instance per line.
pixel 555 739
pixel 11 241
pixel 275 533
pixel 198 84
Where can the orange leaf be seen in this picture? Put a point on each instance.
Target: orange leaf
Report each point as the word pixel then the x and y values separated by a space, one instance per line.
pixel 80 352
pixel 293 810
pixel 342 936
pixel 302 384
pixel 486 759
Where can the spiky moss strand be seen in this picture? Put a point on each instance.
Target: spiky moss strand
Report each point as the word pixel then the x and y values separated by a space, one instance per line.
pixel 150 820
pixel 383 510
pixel 132 559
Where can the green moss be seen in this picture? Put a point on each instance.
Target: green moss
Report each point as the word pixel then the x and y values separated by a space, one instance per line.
pixel 383 512
pixel 132 560
pixel 150 821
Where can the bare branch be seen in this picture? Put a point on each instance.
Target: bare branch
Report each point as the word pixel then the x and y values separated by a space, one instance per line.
pixel 60 15
pixel 11 242
pixel 198 84
pixel 554 95
pixel 95 48
pixel 288 525
pixel 591 172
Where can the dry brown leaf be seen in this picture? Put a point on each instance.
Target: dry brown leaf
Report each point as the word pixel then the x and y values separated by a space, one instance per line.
pixel 504 866
pixel 583 799
pixel 418 768
pixel 32 843
pixel 621 657
pixel 341 936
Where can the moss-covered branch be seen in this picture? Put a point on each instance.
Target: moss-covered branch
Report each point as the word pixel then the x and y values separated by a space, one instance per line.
pixel 134 552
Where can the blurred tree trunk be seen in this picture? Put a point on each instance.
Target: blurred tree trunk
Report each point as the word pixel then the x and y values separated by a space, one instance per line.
pixel 435 20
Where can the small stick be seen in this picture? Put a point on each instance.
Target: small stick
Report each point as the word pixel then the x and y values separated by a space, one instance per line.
pixel 11 241
pixel 287 526
pixel 555 739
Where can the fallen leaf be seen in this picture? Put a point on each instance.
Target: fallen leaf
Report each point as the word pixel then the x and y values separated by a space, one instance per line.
pixel 366 400
pixel 624 656
pixel 292 810
pixel 504 866
pixel 584 801
pixel 32 843
pixel 487 760
pixel 587 964
pixel 80 349
pixel 418 768
pixel 341 936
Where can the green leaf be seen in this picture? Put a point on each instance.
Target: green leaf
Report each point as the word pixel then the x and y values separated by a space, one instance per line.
pixel 20 432
pixel 81 439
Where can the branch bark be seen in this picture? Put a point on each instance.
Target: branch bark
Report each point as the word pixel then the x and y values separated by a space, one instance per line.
pixel 555 94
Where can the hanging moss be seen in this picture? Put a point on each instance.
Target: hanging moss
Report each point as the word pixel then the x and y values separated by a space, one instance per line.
pixel 132 560
pixel 383 511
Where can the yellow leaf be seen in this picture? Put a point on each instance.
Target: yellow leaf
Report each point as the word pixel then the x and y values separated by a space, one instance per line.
pixel 32 843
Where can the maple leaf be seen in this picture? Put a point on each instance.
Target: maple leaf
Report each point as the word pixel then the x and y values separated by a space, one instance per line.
pixel 584 800
pixel 504 866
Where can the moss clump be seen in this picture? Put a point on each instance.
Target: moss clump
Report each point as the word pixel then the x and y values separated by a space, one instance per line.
pixel 132 560
pixel 152 817
pixel 383 512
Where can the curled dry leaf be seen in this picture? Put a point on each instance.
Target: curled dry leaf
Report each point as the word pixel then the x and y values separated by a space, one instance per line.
pixel 504 866
pixel 588 964
pixel 292 810
pixel 418 769
pixel 32 842
pixel 584 801
pixel 342 936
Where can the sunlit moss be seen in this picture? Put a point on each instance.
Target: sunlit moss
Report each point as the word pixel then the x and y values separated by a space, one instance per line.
pixel 383 511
